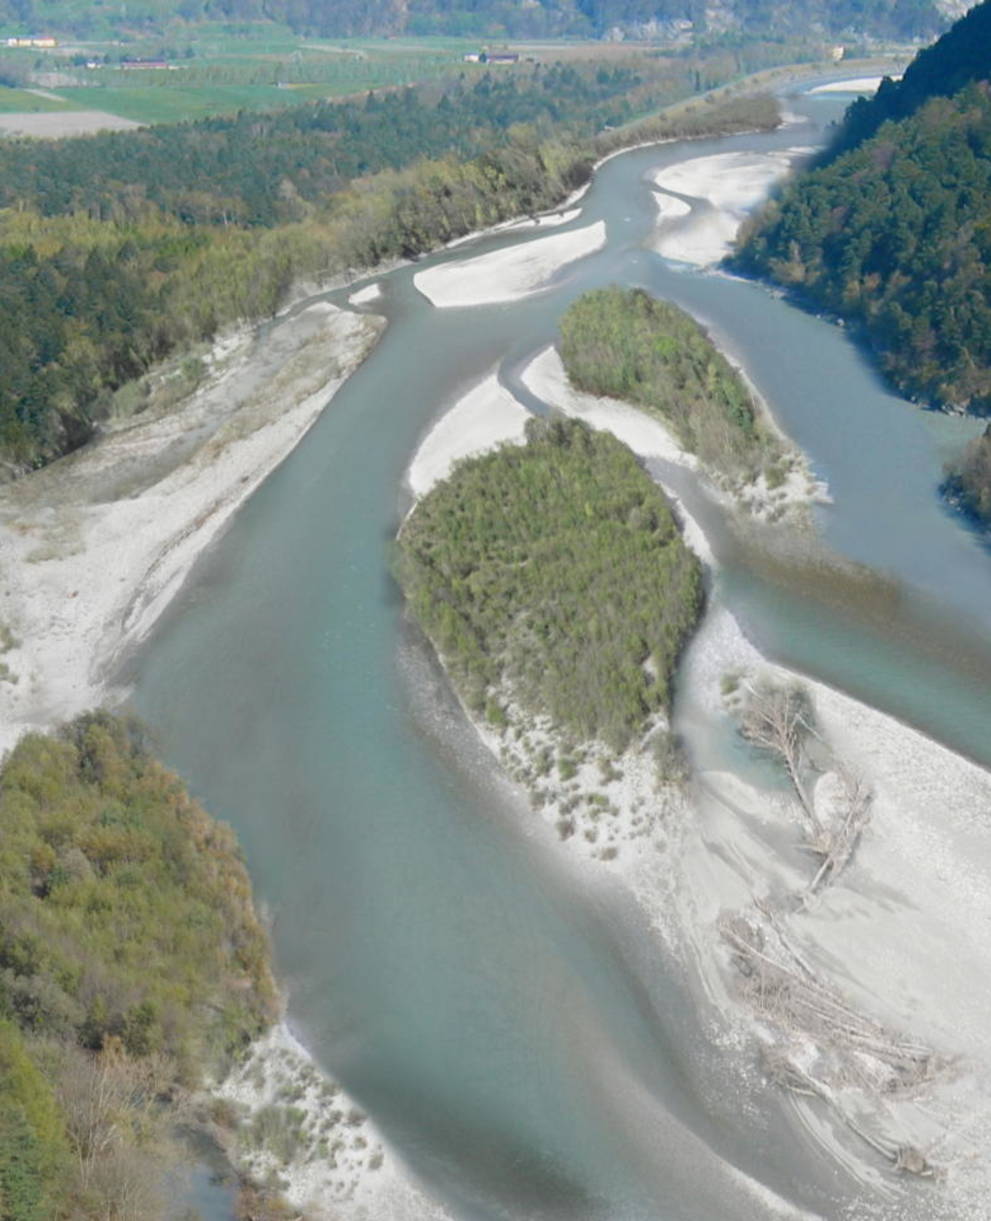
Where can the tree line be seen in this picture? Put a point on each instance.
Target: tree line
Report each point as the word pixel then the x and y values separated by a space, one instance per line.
pixel 118 250
pixel 498 18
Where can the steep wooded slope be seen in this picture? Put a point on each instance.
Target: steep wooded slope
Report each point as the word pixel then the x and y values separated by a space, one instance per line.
pixel 893 228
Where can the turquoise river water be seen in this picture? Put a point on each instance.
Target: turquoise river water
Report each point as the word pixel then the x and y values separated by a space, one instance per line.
pixel 520 1038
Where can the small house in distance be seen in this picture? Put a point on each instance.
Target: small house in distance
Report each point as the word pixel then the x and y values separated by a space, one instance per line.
pixel 155 65
pixel 492 57
pixel 44 41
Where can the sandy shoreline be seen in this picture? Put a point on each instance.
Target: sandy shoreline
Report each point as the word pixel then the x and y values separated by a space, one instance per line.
pixel 508 274
pixel 857 84
pixel 723 189
pixel 93 547
pixel 486 416
pixel 332 1161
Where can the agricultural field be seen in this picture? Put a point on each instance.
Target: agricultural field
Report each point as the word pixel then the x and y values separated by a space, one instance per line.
pixel 216 70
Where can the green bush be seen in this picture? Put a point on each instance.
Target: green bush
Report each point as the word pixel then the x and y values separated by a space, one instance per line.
pixel 125 910
pixel 33 1149
pixel 131 960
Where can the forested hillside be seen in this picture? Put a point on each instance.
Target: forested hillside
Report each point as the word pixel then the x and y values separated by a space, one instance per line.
pixel 893 231
pixel 117 249
pixel 961 56
pixel 502 18
pixel 131 962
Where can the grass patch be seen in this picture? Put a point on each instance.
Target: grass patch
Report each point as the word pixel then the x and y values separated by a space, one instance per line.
pixel 22 101
pixel 555 570
pixel 162 104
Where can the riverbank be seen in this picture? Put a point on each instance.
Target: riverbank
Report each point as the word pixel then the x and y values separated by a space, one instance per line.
pixel 287 1125
pixel 95 546
pixel 485 416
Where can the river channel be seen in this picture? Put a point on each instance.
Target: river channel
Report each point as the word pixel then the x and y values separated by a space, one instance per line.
pixel 521 1039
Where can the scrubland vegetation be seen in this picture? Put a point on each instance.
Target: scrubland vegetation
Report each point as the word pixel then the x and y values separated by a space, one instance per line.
pixel 968 479
pixel 628 345
pixel 553 574
pixel 131 962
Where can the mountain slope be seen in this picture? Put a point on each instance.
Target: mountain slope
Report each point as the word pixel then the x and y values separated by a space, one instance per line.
pixel 502 18
pixel 942 70
pixel 893 228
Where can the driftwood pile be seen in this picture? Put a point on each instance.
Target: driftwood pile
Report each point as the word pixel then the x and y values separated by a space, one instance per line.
pixel 821 1045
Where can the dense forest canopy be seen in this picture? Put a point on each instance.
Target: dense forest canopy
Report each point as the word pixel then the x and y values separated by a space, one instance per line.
pixel 554 574
pixel 500 18
pixel 262 169
pixel 894 230
pixel 117 250
pixel 131 962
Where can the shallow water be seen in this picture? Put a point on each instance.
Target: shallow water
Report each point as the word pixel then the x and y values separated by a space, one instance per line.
pixel 521 1038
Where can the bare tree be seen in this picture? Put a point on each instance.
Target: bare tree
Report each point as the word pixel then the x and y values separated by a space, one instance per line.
pixel 109 1101
pixel 780 720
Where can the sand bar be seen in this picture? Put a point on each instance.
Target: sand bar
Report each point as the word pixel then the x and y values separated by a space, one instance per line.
pixel 364 296
pixel 508 274
pixel 547 220
pixel 727 188
pixel 859 84
pixel 360 1181
pixel 485 417
pixel 669 207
